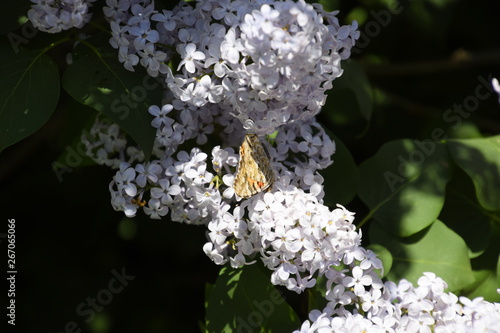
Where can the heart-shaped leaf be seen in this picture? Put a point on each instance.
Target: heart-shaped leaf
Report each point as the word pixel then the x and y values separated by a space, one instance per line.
pixel 480 159
pixel 404 185
pixel 244 300
pixel 29 92
pixel 436 249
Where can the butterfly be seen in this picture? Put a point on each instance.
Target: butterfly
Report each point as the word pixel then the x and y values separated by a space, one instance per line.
pixel 255 173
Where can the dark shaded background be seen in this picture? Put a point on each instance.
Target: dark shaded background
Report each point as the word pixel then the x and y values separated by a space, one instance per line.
pixel 69 239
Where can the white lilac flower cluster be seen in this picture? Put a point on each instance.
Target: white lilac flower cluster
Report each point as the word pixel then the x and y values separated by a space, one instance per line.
pixel 270 62
pixel 400 307
pixel 54 15
pixel 285 226
pixel 107 145
pixel 205 188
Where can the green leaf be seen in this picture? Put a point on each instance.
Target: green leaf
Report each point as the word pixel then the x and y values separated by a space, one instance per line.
pixel 480 159
pixel 404 184
pixel 354 79
pixel 244 300
pixel 99 80
pixel 350 101
pixel 342 177
pixel 29 92
pixel 436 249
pixel 486 286
pixel 486 268
pixel 463 214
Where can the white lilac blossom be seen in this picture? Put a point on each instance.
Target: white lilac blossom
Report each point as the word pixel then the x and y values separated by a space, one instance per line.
pixel 401 307
pixel 192 172
pixel 54 16
pixel 270 63
pixel 260 67
pixel 107 145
